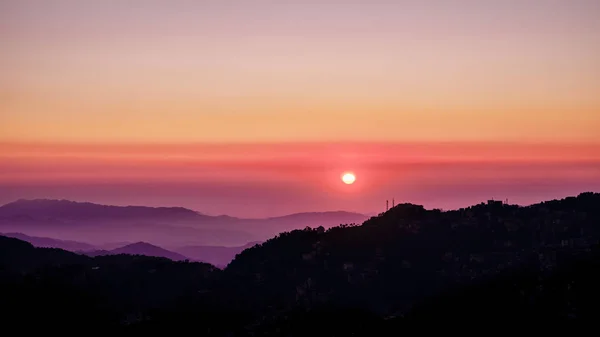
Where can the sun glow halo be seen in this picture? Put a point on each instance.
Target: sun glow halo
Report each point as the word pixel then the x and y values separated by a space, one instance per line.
pixel 348 178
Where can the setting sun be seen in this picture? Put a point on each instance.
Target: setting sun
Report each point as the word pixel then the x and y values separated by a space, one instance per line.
pixel 348 178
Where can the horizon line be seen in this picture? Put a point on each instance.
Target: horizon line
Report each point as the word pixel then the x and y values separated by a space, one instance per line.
pixel 306 212
pixel 189 209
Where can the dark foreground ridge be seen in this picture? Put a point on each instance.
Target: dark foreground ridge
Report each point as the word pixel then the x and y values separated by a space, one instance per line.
pixel 409 267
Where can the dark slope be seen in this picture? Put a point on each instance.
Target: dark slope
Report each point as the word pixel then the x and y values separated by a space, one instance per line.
pixel 410 253
pixel 18 256
pixel 490 262
pixel 419 264
pixel 73 246
pixel 312 219
pixel 523 295
pixel 57 289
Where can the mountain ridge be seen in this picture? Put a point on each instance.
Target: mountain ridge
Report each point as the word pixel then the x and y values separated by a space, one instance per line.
pixel 141 248
pixel 18 204
pixel 218 256
pixel 54 207
pixel 165 226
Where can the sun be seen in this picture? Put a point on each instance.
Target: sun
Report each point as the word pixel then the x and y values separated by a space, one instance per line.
pixel 348 178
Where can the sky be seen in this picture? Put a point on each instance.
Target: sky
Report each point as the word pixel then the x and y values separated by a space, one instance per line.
pixel 255 108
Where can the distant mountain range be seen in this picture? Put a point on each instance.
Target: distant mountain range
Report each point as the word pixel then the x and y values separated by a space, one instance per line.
pixel 140 248
pixel 166 226
pixel 216 255
pixel 66 210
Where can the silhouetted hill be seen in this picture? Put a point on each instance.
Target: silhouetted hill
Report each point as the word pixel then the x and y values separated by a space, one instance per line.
pixel 411 266
pixel 66 291
pixel 20 256
pixel 142 248
pixel 325 219
pixel 523 295
pixel 73 246
pixel 71 210
pixel 410 253
pixel 495 263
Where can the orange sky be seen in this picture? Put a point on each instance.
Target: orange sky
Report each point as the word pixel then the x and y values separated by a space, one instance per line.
pixel 266 96
pixel 248 71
